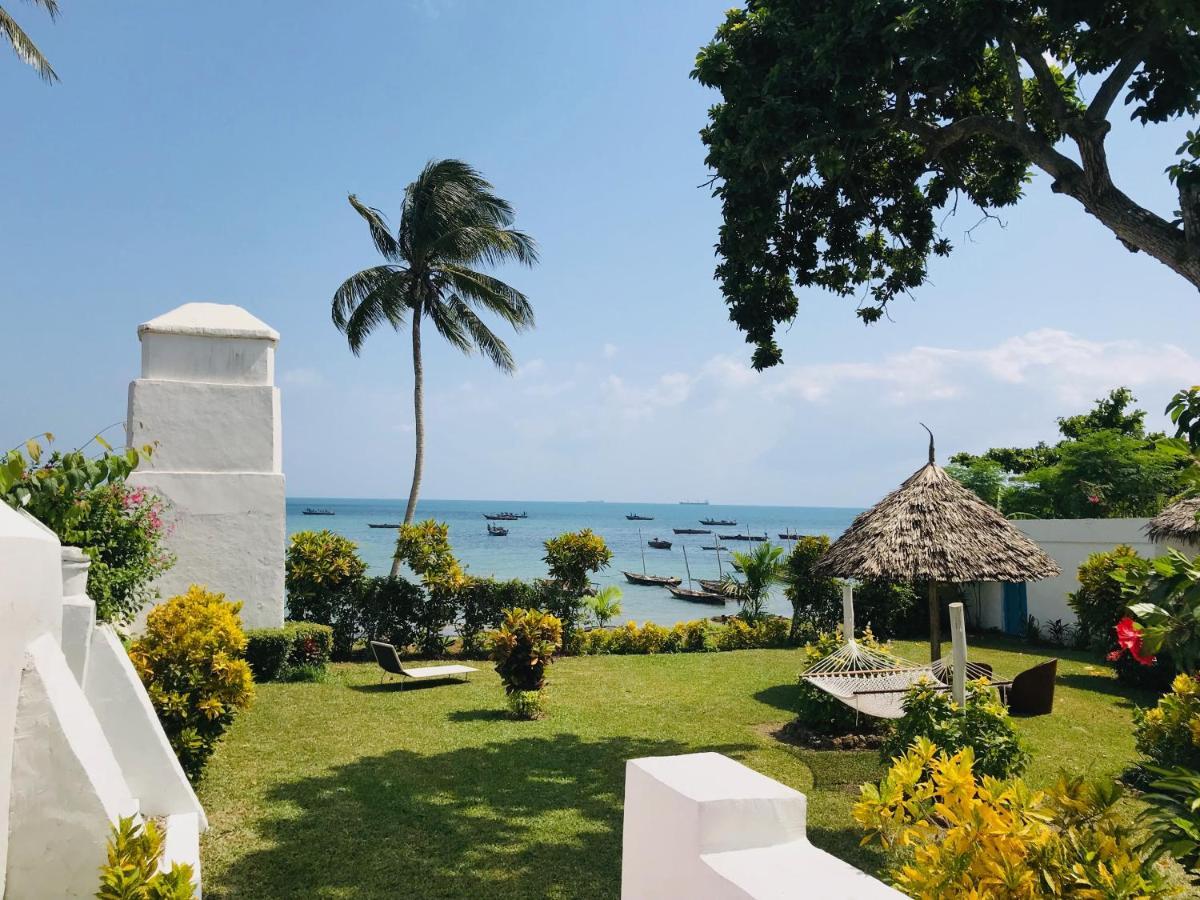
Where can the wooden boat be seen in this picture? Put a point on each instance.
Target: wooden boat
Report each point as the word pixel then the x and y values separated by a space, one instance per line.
pixel 691 531
pixel 693 503
pixel 318 511
pixel 698 596
pixel 383 524
pixel 790 536
pixel 713 587
pixel 652 580
pixel 634 517
pixel 722 522
pixel 658 544
pixel 501 517
pixel 742 537
pixel 497 531
pixel 716 547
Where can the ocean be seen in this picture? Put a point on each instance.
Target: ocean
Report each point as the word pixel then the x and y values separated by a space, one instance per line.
pixel 519 555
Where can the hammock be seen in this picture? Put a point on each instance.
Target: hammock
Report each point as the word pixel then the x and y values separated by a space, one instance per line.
pixel 873 682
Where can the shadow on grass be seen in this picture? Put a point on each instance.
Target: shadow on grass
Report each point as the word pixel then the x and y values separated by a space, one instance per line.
pixel 527 817
pixel 846 844
pixel 405 686
pixel 780 696
pixel 1105 684
pixel 479 715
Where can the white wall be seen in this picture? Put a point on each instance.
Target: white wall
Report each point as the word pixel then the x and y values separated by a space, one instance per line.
pixel 1069 542
pixel 702 825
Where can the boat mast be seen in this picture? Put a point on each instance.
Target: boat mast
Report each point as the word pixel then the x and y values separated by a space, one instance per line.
pixel 642 545
pixel 720 574
pixel 686 566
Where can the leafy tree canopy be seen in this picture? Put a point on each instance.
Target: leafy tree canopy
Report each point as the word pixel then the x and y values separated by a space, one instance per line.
pixel 849 130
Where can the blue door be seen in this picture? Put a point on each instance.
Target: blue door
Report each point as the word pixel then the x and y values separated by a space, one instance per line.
pixel 1016 607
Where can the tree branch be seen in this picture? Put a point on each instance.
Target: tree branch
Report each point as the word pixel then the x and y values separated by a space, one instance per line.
pixel 1062 168
pixel 1126 66
pixel 1045 79
pixel 1016 83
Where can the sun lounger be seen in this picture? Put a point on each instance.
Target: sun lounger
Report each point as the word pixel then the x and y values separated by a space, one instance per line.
pixel 389 661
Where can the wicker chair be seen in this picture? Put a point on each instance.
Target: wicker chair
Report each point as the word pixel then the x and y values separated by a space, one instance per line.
pixel 1032 692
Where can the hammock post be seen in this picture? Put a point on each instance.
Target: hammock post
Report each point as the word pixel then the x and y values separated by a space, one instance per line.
pixel 958 638
pixel 935 623
pixel 848 611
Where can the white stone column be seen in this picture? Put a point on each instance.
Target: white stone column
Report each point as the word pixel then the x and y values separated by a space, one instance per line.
pixel 207 399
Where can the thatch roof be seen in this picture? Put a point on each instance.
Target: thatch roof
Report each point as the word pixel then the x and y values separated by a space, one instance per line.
pixel 1177 522
pixel 933 529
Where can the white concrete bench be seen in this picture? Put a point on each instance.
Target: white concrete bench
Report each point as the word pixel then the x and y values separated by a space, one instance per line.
pixel 702 825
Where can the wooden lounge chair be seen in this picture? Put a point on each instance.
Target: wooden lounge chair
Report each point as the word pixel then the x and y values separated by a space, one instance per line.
pixel 389 661
pixel 1032 692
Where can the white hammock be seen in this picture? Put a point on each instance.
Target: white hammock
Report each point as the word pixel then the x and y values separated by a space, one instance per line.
pixel 874 682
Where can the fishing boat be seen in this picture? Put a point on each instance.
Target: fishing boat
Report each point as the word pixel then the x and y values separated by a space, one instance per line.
pixel 497 531
pixel 500 517
pixel 658 544
pixel 318 511
pixel 693 503
pixel 712 586
pixel 742 537
pixel 652 580
pixel 691 531
pixel 716 547
pixel 383 524
pixel 691 594
pixel 649 580
pixel 634 517
pixel 790 536
pixel 722 522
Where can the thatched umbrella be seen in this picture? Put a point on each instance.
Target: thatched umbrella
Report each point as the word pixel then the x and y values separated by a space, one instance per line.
pixel 1176 523
pixel 935 530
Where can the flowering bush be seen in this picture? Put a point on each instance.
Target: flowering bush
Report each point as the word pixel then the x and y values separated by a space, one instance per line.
pixel 1169 733
pixel 1164 610
pixel 953 834
pixel 190 658
pixel 1099 603
pixel 122 530
pixel 984 727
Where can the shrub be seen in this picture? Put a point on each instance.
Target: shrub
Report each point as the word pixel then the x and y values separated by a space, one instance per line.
pixel 816 709
pixel 324 575
pixel 956 834
pixel 891 609
pixel 387 609
pixel 131 871
pixel 1168 735
pixel 1172 814
pixel 1100 602
pixel 481 605
pixel 816 600
pixel 523 646
pixel 425 548
pixel 190 659
pixel 984 727
pixel 571 559
pixel 291 653
pixel 605 604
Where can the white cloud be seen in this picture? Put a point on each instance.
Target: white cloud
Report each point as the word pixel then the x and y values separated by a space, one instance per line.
pixel 608 351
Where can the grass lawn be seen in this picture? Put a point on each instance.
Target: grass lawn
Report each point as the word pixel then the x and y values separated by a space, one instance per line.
pixel 350 789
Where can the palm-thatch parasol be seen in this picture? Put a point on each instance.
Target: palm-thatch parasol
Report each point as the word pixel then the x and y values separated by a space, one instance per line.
pixel 934 529
pixel 1177 522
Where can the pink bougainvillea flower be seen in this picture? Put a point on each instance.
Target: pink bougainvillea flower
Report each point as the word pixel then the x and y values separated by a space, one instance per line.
pixel 1130 638
pixel 1092 498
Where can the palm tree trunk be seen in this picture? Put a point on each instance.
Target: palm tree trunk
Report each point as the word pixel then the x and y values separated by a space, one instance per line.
pixel 419 427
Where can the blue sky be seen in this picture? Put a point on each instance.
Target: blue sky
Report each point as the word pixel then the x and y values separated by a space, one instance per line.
pixel 205 151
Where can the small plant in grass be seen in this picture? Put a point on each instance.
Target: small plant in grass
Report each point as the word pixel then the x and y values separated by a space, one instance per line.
pixel 523 646
pixel 605 604
pixel 956 834
pixel 983 726
pixel 131 871
pixel 190 658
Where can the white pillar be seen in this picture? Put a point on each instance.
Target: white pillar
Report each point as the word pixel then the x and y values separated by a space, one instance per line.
pixel 848 611
pixel 958 641
pixel 207 398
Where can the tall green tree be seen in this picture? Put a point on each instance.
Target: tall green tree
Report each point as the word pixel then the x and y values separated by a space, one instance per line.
pixel 451 221
pixel 21 44
pixel 849 129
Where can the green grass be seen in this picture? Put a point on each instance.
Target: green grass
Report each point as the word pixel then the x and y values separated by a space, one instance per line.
pixel 348 789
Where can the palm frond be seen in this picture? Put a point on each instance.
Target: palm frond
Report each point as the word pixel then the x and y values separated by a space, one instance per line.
pixel 449 195
pixel 369 299
pixel 25 48
pixel 444 315
pixel 483 338
pixel 485 243
pixel 490 293
pixel 384 242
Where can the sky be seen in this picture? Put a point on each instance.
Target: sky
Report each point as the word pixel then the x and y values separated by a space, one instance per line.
pixel 205 152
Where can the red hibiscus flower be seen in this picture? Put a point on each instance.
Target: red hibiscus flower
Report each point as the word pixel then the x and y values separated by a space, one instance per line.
pixel 1130 638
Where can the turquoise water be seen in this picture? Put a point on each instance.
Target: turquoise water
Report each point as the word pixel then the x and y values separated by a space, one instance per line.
pixel 519 555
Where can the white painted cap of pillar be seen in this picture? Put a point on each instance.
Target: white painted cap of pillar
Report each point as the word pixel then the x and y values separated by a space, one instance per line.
pixel 218 320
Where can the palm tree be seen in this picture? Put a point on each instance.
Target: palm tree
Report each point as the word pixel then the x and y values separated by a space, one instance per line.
pixel 761 567
pixel 450 221
pixel 23 46
pixel 605 604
